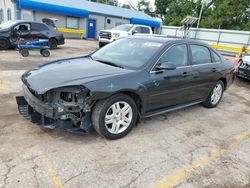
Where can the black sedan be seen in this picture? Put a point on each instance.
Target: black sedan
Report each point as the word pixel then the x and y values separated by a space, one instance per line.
pixel 10 30
pixel 129 79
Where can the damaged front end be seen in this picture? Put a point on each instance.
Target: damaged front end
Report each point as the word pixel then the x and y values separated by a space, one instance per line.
pixel 66 108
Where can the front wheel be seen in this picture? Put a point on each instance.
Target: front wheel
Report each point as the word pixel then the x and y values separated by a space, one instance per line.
pixel 215 96
pixel 4 44
pixel 114 118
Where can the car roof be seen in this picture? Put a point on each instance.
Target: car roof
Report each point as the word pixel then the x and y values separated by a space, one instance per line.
pixel 165 39
pixel 25 21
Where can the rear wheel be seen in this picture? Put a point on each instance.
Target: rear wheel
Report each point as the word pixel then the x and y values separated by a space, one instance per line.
pixel 45 53
pixel 215 96
pixel 24 52
pixel 114 118
pixel 53 43
pixel 4 44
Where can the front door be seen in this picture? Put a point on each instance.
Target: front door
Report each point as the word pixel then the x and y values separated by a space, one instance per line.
pixel 91 29
pixel 171 87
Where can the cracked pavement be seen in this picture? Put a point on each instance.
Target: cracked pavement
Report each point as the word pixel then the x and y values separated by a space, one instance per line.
pixel 153 151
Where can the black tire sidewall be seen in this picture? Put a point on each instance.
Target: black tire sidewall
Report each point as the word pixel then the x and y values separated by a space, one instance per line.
pixel 45 53
pixel 209 98
pixel 103 130
pixel 7 44
pixel 53 43
pixel 24 52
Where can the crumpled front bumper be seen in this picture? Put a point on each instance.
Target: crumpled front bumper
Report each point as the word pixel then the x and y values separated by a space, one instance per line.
pixel 46 116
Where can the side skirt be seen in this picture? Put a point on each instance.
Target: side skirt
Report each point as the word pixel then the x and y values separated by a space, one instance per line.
pixel 170 109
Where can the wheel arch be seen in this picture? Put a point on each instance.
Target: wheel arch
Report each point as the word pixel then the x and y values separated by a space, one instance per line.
pixel 224 80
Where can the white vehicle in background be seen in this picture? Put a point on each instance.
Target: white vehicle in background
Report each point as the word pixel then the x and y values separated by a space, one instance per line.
pixel 107 36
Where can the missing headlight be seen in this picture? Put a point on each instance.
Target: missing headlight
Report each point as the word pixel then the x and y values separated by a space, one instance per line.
pixel 68 97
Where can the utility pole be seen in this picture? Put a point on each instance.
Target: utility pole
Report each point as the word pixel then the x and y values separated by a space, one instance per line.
pixel 203 3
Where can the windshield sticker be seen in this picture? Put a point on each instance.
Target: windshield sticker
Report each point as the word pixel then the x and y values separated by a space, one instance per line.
pixel 153 44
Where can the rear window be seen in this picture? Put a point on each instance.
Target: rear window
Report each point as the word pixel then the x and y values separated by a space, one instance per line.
pixel 38 27
pixel 200 55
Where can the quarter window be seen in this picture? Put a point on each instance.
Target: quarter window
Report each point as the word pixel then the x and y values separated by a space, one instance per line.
pixel 216 58
pixel 177 55
pixel 200 55
pixel 72 22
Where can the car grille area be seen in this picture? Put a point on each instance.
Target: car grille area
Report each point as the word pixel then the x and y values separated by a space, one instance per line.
pixel 105 35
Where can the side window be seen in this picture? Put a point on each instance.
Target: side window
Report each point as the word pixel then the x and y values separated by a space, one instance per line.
pixel 22 27
pixel 1 14
pixel 177 55
pixel 216 58
pixel 38 27
pixel 145 30
pixel 200 55
pixel 138 29
pixel 9 14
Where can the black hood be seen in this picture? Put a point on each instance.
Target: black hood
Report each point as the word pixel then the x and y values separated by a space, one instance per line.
pixel 68 72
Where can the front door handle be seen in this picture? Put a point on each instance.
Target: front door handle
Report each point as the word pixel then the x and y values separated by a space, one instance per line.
pixel 214 69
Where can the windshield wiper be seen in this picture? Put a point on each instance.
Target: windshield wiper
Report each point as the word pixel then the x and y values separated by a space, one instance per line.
pixel 109 63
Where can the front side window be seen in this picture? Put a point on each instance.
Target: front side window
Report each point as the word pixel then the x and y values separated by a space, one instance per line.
pixel 200 55
pixel 176 55
pixel 145 30
pixel 138 29
pixel 128 53
pixel 22 27
pixel 72 23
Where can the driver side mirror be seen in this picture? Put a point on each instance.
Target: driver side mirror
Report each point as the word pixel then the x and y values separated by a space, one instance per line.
pixel 134 32
pixel 164 67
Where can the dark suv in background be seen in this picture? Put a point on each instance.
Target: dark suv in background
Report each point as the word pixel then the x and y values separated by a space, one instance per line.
pixel 30 30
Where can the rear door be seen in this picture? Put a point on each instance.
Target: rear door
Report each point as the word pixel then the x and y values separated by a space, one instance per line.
pixel 204 67
pixel 39 31
pixel 171 87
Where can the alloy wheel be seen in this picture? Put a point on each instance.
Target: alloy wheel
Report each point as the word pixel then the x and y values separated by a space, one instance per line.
pixel 118 117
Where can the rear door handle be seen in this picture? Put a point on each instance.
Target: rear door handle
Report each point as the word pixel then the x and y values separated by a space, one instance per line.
pixel 196 75
pixel 214 69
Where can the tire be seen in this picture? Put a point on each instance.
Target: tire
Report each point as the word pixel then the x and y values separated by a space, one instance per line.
pixel 122 124
pixel 53 43
pixel 101 44
pixel 4 44
pixel 24 52
pixel 215 95
pixel 45 53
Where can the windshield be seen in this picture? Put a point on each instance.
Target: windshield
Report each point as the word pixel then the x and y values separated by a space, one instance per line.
pixel 123 27
pixel 7 24
pixel 129 53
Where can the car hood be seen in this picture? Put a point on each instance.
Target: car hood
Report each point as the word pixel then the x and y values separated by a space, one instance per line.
pixel 68 72
pixel 114 31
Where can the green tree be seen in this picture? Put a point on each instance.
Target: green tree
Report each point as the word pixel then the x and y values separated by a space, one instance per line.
pixel 227 14
pixel 108 2
pixel 126 6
